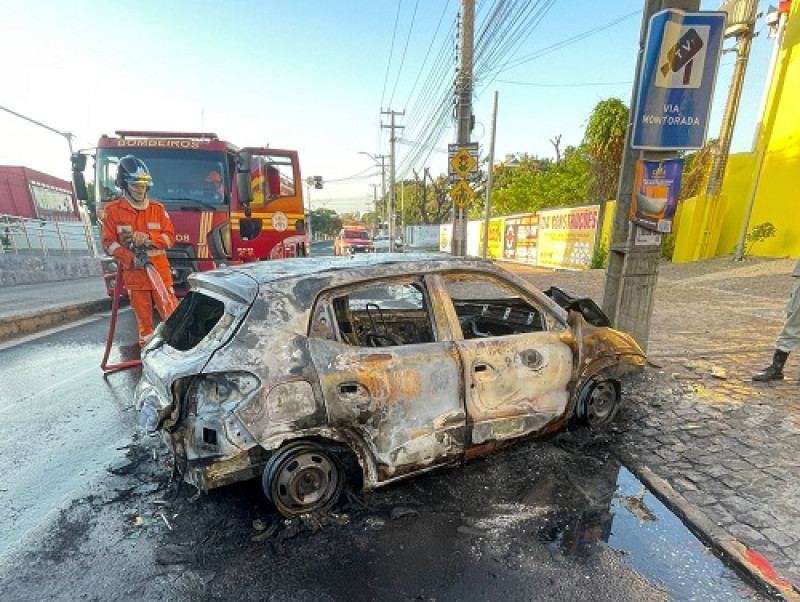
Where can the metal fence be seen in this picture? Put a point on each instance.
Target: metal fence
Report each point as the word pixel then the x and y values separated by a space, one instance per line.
pixel 24 236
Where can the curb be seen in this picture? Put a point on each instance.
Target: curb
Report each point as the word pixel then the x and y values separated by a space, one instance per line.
pixel 746 562
pixel 28 323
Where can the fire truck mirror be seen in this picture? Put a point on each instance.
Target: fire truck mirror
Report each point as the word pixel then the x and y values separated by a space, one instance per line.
pixel 244 187
pixel 250 228
pixel 78 181
pixel 78 162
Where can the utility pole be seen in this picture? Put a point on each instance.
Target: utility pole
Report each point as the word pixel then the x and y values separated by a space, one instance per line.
pixel 632 271
pixel 464 118
pixel 377 215
pixel 490 179
pixel 392 161
pixel 742 28
pixel 380 160
pixel 766 119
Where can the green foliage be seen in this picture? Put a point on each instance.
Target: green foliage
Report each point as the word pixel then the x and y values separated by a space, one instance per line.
pixel 599 256
pixel 605 140
pixel 325 222
pixel 541 183
pixel 668 246
pixel 758 234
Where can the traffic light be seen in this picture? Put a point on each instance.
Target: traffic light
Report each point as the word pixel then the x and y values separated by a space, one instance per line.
pixel 318 182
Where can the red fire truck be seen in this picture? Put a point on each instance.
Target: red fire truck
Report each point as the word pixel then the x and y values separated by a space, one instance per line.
pixel 229 205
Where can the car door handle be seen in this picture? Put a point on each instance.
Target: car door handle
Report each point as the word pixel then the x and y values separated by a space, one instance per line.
pixel 484 372
pixel 348 388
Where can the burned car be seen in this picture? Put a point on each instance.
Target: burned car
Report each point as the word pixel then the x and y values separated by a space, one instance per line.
pixel 302 371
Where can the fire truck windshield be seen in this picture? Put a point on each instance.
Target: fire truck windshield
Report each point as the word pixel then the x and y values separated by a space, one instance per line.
pixel 182 179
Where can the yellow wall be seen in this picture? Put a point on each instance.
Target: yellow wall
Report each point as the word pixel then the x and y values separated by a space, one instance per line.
pixel 703 232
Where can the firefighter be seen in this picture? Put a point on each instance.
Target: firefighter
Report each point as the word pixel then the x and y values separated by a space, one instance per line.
pixel 137 230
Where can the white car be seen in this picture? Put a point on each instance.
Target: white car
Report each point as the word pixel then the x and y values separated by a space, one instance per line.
pixel 381 243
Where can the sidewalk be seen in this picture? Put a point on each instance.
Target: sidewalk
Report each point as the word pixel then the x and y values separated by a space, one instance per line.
pixel 28 308
pixel 720 450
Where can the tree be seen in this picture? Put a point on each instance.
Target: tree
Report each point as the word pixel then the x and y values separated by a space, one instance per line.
pixel 605 141
pixel 325 222
pixel 539 183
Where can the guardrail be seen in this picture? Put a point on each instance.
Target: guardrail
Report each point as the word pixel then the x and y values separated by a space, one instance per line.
pixel 25 236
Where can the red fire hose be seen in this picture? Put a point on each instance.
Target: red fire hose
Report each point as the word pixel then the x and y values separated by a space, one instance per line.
pixel 112 326
pixel 165 303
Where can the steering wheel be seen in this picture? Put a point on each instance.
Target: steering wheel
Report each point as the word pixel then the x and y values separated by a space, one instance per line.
pixel 382 339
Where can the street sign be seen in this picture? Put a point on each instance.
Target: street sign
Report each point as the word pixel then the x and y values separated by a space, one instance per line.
pixel 463 163
pixel 462 194
pixel 679 68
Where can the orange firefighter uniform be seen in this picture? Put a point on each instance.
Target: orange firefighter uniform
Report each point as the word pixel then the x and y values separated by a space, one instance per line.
pixel 120 221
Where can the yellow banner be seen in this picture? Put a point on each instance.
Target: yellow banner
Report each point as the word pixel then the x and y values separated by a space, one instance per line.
pixel 566 237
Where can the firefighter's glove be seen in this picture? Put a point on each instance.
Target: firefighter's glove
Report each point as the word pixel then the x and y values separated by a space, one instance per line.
pixel 127 239
pixel 140 239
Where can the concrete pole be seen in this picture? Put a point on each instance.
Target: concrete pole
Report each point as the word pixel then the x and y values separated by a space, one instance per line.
pixel 720 160
pixel 489 181
pixel 761 145
pixel 464 114
pixel 632 271
pixel 392 162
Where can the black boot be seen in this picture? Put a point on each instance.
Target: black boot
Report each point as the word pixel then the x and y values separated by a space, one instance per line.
pixel 775 370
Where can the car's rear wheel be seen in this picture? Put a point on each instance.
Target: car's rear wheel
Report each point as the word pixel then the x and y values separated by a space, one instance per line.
pixel 301 478
pixel 598 403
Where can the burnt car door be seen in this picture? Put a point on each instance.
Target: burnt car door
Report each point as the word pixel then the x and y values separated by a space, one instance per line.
pixel 389 375
pixel 515 352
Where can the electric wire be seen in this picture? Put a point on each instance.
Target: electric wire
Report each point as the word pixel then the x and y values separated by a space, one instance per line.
pixel 403 57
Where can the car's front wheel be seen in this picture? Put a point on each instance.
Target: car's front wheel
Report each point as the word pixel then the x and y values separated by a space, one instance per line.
pixel 598 402
pixel 302 477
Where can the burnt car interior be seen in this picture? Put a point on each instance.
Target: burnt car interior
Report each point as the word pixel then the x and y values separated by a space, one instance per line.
pixel 194 318
pixel 499 311
pixel 383 314
pixel 391 313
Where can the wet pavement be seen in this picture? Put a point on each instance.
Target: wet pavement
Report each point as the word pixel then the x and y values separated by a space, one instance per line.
pixel 716 448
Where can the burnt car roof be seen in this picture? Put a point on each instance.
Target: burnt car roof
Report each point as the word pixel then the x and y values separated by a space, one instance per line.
pixel 246 281
pixel 369 266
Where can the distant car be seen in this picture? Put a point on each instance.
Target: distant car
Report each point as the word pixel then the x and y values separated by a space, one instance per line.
pixel 302 371
pixel 351 241
pixel 381 243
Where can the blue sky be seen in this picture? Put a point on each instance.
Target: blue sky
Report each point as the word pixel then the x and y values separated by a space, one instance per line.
pixel 314 76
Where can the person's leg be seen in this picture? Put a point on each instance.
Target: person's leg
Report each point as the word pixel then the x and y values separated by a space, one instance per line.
pixel 788 340
pixel 142 306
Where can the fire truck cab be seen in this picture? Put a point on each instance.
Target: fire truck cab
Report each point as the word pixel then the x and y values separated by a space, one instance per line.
pixel 229 205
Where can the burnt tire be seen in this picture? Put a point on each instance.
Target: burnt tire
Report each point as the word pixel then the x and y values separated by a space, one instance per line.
pixel 598 403
pixel 303 477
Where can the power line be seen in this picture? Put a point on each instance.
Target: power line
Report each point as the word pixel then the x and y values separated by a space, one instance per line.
pixel 403 58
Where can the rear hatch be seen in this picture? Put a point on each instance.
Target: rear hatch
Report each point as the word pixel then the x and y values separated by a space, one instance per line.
pixel 204 321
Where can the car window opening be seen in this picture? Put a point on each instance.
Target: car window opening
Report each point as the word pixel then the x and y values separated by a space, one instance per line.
pixel 497 311
pixel 383 315
pixel 196 316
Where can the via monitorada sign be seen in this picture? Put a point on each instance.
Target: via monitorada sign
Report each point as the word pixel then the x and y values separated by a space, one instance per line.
pixel 676 83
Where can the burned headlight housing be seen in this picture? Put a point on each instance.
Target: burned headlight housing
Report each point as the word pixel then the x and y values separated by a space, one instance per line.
pixel 224 391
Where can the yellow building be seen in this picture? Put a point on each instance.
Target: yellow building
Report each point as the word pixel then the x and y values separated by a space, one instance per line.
pixel 762 186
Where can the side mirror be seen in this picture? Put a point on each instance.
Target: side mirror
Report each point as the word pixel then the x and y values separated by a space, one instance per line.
pixel 244 182
pixel 78 162
pixel 78 181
